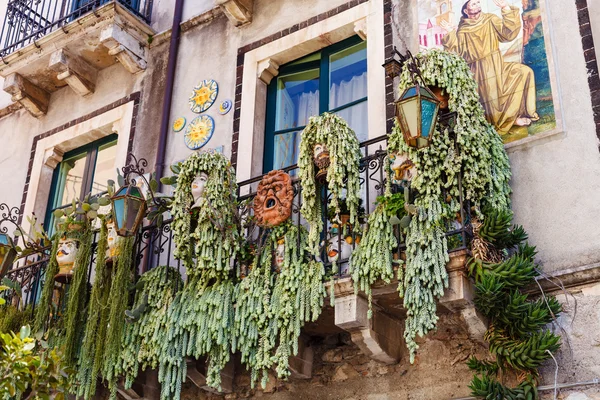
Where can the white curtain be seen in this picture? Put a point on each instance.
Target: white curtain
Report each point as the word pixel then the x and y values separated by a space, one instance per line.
pixel 346 92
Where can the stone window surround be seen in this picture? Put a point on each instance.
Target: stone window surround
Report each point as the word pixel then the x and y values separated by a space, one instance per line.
pixel 258 64
pixel 48 148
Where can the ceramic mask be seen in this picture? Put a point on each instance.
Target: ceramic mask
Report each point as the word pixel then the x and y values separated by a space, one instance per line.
pixel 403 169
pixel 66 255
pixel 320 152
pixel 273 201
pixel 279 256
pixel 198 186
pixel 340 249
pixel 113 240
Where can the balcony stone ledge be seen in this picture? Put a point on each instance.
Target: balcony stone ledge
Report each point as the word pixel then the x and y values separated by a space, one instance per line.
pixel 73 54
pixel 381 337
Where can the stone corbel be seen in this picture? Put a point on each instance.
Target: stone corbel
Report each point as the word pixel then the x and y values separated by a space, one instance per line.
pixel 360 27
pixel 380 338
pixel 267 70
pixel 129 51
pixel 239 12
pixel 301 365
pixel 53 157
pixel 30 96
pixel 197 375
pixel 78 74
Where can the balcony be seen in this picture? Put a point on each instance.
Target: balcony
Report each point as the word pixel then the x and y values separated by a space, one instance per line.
pixel 48 44
pixel 380 337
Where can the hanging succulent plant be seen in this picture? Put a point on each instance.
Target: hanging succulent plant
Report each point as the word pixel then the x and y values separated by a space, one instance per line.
pixel 147 329
pixel 328 133
pixel 474 150
pixel 205 230
pixel 272 307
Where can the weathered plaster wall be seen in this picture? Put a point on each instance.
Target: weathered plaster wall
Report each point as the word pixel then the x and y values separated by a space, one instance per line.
pixel 594 12
pixel 556 181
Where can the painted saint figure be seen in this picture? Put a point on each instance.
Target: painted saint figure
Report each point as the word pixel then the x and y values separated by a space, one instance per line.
pixel 507 89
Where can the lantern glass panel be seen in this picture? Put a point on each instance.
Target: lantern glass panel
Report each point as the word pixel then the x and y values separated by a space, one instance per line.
pixel 409 111
pixel 119 210
pixel 133 207
pixel 428 117
pixel 135 191
pixel 4 239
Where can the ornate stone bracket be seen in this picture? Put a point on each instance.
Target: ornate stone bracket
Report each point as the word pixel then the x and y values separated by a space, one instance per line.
pixel 360 27
pixel 78 74
pixel 33 98
pixel 380 337
pixel 53 157
pixel 239 12
pixel 267 70
pixel 125 48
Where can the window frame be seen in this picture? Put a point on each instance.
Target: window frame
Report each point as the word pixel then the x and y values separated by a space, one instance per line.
pixel 90 151
pixel 323 66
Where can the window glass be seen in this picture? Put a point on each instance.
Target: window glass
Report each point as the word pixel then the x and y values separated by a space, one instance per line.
pixel 333 79
pixel 348 75
pixel 287 148
pixel 105 167
pixel 70 179
pixel 297 99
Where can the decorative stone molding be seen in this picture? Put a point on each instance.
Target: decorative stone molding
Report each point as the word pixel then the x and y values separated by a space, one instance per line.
pixel 125 48
pixel 239 12
pixel 30 96
pixel 53 157
pixel 78 74
pixel 360 27
pixel 267 70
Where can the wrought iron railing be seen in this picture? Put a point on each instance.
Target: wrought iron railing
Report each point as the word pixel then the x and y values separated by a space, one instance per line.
pixel 154 244
pixel 26 21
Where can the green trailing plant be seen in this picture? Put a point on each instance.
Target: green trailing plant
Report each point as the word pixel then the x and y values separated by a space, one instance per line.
pixel 147 329
pixel 271 308
pixel 42 312
pixel 206 237
pixel 200 323
pixel 342 173
pixel 122 274
pixel 29 367
pixel 474 150
pixel 517 335
pixel 92 348
pixel 12 318
pixel 372 260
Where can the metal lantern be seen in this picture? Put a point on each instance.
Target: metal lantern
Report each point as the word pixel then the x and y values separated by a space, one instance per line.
pixel 8 254
pixel 129 209
pixel 417 112
pixel 392 68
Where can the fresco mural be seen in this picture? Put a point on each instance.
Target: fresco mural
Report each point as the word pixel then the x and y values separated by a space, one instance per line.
pixel 503 42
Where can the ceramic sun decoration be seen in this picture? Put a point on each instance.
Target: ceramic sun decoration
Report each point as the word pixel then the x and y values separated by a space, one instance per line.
pixel 66 256
pixel 321 159
pixel 403 169
pixel 273 201
pixel 179 124
pixel 203 96
pixel 199 131
pixel 197 187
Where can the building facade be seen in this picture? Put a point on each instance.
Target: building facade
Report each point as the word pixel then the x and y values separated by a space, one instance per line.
pixel 88 82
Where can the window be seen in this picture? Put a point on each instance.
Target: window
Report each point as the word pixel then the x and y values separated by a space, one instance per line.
pixel 333 79
pixel 81 172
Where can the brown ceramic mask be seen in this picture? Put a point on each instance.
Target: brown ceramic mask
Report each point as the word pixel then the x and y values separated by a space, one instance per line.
pixel 402 168
pixel 273 200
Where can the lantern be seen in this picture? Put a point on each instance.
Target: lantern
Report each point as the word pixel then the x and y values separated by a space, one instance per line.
pixel 392 68
pixel 8 254
pixel 417 112
pixel 129 209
